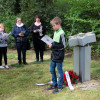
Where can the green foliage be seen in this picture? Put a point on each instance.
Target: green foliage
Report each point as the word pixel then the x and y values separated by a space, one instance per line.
pixel 16 65
pixel 7 6
pixel 83 17
pixel 77 15
pixel 11 42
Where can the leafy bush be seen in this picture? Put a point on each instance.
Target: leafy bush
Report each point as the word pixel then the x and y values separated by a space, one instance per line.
pixel 77 16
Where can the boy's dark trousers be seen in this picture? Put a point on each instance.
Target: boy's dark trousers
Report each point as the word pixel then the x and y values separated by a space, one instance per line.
pixel 21 47
pixel 3 52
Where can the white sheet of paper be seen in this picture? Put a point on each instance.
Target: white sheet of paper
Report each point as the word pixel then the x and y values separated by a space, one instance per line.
pixel 47 39
pixel 40 84
pixel 45 83
pixel 6 35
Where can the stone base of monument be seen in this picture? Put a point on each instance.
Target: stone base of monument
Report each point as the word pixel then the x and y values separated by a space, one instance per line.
pixel 82 62
pixel 76 60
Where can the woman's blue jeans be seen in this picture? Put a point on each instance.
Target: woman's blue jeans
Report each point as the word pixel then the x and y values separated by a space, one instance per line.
pixel 53 65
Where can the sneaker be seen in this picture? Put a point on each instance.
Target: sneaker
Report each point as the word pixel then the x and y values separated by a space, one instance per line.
pixel 1 67
pixel 52 87
pixel 6 66
pixel 57 90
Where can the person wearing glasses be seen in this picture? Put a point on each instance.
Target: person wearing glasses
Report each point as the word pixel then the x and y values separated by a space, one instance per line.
pixel 20 33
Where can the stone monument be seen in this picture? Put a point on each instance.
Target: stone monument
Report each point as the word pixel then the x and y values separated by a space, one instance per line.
pixel 82 54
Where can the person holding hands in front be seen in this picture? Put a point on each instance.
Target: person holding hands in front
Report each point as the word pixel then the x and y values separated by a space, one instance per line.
pixel 38 30
pixel 20 33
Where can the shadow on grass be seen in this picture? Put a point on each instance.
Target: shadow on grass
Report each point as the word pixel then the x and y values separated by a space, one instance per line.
pixel 31 63
pixel 39 62
pixel 16 65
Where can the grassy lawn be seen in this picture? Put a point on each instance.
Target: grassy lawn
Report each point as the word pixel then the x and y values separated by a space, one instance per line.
pixel 18 82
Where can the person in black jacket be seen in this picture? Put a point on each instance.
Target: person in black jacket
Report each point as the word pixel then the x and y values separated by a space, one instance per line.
pixel 20 33
pixel 38 30
pixel 57 55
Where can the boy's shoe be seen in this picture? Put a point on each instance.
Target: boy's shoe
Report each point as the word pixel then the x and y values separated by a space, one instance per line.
pixel 6 66
pixel 52 87
pixel 1 67
pixel 57 90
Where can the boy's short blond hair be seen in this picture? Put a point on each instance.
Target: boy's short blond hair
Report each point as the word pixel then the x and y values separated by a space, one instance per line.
pixel 56 20
pixel 1 25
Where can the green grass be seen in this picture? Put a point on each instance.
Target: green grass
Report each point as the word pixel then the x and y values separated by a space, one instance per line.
pixel 18 82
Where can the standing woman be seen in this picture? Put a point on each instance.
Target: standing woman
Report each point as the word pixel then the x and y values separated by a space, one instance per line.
pixel 20 33
pixel 38 29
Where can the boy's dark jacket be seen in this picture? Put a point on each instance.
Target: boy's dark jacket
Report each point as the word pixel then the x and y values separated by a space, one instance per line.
pixel 57 53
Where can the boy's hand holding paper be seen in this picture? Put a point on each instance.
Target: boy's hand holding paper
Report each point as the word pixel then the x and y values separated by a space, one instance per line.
pixel 50 45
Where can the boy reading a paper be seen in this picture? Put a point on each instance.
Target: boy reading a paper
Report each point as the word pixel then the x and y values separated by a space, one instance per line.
pixel 57 55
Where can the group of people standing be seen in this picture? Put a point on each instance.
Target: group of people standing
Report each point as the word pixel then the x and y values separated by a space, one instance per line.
pixel 20 33
pixel 38 30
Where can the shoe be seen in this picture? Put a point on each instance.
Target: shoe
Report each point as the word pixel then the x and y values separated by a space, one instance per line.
pixel 37 60
pixel 25 63
pixel 1 67
pixel 57 90
pixel 52 87
pixel 6 66
pixel 41 60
